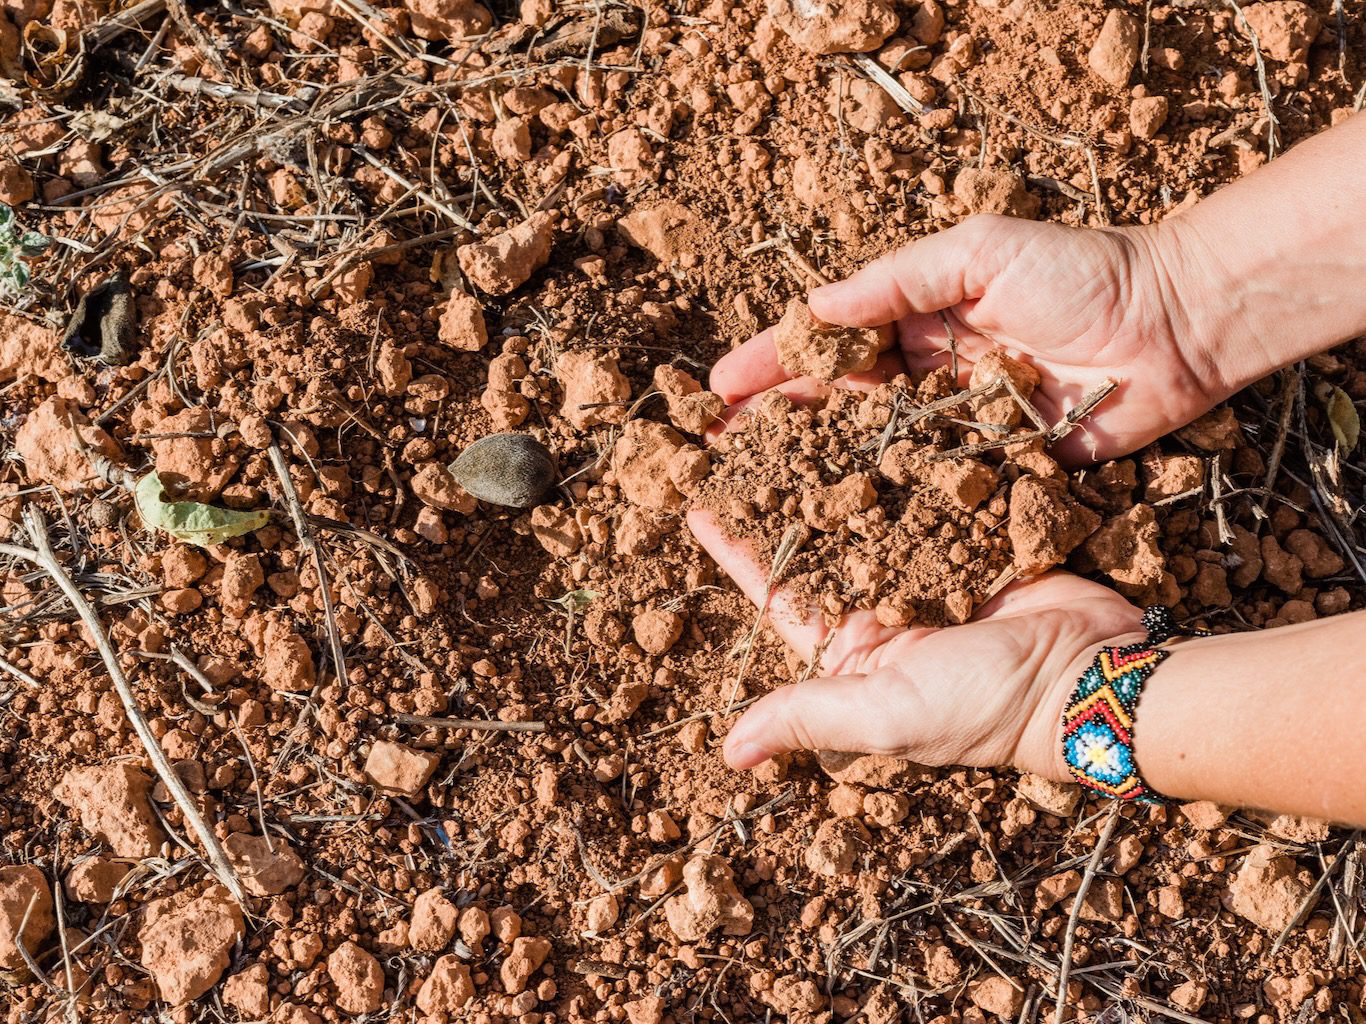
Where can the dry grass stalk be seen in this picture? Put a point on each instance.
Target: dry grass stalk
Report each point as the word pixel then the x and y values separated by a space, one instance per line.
pixel 1272 125
pixel 473 724
pixel 42 555
pixel 1088 876
pixel 792 540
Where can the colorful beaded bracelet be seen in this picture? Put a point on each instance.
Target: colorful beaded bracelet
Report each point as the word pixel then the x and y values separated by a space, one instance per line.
pixel 1098 722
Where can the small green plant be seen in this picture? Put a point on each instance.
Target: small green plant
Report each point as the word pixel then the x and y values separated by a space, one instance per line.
pixel 15 245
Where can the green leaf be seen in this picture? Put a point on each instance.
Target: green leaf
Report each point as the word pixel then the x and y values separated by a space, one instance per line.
pixel 6 215
pixel 576 600
pixel 33 243
pixel 1343 417
pixel 192 521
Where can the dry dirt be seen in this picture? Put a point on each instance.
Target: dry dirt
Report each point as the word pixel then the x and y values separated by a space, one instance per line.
pixel 460 761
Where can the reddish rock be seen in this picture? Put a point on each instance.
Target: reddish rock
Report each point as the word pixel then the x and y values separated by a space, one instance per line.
pixel 190 464
pixel 399 769
pixel 433 922
pixel 242 575
pixel 1046 524
pixel 710 901
pixel 46 444
pixel 641 460
pixel 828 26
pixel 1285 28
pixel 447 20
pixel 810 347
pixel 525 958
pixel 997 995
pixel 836 847
pixel 265 868
pixel 248 992
pixel 112 801
pixel 595 391
pixel 29 348
pixel 1147 114
pixel 94 879
pixel 1115 51
pixel 830 507
pixel 988 190
pixel 462 323
pixel 657 630
pixel 24 891
pixel 186 942
pixel 358 978
pixel 1268 889
pixel 447 989
pixel 434 485
pixel 505 261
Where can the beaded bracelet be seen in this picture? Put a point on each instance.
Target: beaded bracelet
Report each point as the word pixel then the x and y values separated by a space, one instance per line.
pixel 1098 722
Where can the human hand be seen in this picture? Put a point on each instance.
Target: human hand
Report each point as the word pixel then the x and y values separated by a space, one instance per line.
pixel 1084 305
pixel 986 693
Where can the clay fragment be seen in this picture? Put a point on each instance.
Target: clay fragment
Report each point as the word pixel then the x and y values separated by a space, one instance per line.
pixel 809 347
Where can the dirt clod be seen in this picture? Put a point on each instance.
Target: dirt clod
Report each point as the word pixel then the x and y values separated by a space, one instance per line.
pixel 447 989
pixel 112 801
pixel 358 978
pixel 711 901
pixel 505 261
pixel 1115 51
pixel 1046 524
pixel 822 26
pixel 186 942
pixel 396 768
pixel 24 896
pixel 810 347
pixel 266 867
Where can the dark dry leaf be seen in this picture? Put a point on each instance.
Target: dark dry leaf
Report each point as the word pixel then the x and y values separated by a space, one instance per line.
pixel 102 325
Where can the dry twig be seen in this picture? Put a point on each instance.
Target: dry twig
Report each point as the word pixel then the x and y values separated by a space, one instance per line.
pixel 42 555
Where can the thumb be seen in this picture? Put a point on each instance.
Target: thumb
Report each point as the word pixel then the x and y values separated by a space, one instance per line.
pixel 834 713
pixel 928 275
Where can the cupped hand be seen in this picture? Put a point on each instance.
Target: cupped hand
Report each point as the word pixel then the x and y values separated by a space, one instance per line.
pixel 1083 304
pixel 986 693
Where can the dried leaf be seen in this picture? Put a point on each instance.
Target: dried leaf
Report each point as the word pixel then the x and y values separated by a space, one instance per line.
pixel 576 600
pixel 103 323
pixel 191 521
pixel 1343 417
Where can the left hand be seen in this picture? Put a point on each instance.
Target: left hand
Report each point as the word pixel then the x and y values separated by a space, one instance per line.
pixel 986 693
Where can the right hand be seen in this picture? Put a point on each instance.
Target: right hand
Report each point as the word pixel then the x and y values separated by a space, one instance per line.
pixel 1083 305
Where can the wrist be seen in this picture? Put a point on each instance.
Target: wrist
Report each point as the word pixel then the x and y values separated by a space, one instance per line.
pixel 1195 287
pixel 1040 751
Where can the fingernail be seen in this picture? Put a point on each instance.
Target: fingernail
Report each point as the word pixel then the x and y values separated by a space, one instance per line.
pixel 745 754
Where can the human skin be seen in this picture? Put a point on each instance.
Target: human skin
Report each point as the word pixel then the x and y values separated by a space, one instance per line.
pixel 1182 314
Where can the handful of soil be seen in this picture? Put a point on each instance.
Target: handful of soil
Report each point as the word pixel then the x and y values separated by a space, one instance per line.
pixel 917 502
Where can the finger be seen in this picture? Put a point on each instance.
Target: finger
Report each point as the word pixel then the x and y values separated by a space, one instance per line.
pixel 834 713
pixel 799 627
pixel 801 390
pixel 748 370
pixel 1060 590
pixel 928 275
pixel 811 390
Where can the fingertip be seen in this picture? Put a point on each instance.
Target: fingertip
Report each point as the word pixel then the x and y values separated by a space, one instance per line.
pixel 826 301
pixel 747 370
pixel 743 755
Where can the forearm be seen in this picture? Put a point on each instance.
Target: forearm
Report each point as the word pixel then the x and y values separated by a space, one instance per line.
pixel 1273 719
pixel 1271 269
